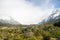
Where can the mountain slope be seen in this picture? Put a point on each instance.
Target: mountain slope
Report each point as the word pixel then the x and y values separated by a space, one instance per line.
pixel 53 18
pixel 9 22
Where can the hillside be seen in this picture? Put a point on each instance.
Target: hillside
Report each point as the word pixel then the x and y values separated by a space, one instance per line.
pixel 30 32
pixel 52 18
pixel 9 22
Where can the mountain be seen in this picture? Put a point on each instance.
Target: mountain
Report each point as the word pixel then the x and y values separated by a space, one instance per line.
pixel 9 22
pixel 51 19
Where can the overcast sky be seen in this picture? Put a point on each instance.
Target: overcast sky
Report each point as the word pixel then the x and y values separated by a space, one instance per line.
pixel 27 11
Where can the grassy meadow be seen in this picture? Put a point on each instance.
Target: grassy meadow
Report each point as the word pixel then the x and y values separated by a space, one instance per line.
pixel 30 32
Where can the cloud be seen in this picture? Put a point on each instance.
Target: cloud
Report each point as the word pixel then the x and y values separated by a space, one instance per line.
pixel 25 12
